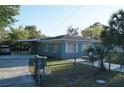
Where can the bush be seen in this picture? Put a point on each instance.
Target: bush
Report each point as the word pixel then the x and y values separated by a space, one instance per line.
pixel 117 81
pixel 117 58
pixel 114 57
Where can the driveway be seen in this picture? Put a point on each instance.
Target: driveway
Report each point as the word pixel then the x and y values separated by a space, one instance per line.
pixel 14 71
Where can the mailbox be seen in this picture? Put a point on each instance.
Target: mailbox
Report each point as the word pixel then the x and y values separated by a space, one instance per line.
pixel 36 63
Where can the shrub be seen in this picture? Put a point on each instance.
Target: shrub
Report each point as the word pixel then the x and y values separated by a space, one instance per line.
pixel 114 57
pixel 117 58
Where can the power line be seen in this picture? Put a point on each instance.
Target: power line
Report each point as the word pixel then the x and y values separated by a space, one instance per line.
pixel 68 17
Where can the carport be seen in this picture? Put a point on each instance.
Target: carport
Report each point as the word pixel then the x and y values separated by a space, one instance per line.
pixel 31 49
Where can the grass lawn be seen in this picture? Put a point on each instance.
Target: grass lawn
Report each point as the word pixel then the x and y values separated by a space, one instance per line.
pixel 64 74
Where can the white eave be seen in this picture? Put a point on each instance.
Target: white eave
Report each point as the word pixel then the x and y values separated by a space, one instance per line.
pixel 94 40
pixel 52 40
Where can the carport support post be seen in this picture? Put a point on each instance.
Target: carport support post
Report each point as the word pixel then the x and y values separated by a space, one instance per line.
pixel 109 59
pixel 17 48
pixel 74 62
pixel 109 65
pixel 120 67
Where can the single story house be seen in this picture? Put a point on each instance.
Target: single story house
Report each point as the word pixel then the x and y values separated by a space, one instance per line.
pixel 63 46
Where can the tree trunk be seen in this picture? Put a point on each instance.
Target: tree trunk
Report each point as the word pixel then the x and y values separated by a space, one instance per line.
pixel 102 67
pixel 98 63
pixel 109 65
pixel 109 59
pixel 74 62
pixel 92 63
pixel 120 67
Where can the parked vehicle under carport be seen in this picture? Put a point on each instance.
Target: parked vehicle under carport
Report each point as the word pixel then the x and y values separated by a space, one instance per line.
pixel 5 50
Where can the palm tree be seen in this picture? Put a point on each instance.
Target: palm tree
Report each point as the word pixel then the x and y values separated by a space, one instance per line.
pixel 108 57
pixel 101 52
pixel 90 51
pixel 106 37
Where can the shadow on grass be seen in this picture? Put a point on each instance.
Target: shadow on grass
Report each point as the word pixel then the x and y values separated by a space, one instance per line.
pixel 77 76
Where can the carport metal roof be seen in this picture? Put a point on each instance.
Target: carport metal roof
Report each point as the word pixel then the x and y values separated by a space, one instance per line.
pixel 29 40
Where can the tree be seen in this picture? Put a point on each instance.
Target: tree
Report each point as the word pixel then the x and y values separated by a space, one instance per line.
pixel 18 33
pixel 116 25
pixel 107 41
pixel 101 52
pixel 91 57
pixel 93 31
pixel 33 32
pixel 113 35
pixel 72 31
pixel 7 14
pixel 4 36
pixel 106 38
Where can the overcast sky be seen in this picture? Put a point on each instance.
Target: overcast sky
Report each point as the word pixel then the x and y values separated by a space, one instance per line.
pixel 54 20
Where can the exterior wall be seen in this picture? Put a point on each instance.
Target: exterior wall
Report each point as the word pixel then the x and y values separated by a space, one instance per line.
pixel 61 50
pixel 93 44
pixel 77 54
pixel 50 52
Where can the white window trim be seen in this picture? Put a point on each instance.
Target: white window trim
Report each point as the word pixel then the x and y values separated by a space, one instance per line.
pixel 66 47
pixel 76 47
pixel 55 49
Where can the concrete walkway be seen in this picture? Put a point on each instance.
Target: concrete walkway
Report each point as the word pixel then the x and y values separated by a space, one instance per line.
pixel 14 71
pixel 114 67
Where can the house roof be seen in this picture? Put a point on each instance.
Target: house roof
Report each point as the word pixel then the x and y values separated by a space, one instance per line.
pixel 65 37
pixel 60 38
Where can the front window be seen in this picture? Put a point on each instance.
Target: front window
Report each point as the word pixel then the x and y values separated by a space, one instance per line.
pixel 70 47
pixel 84 46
